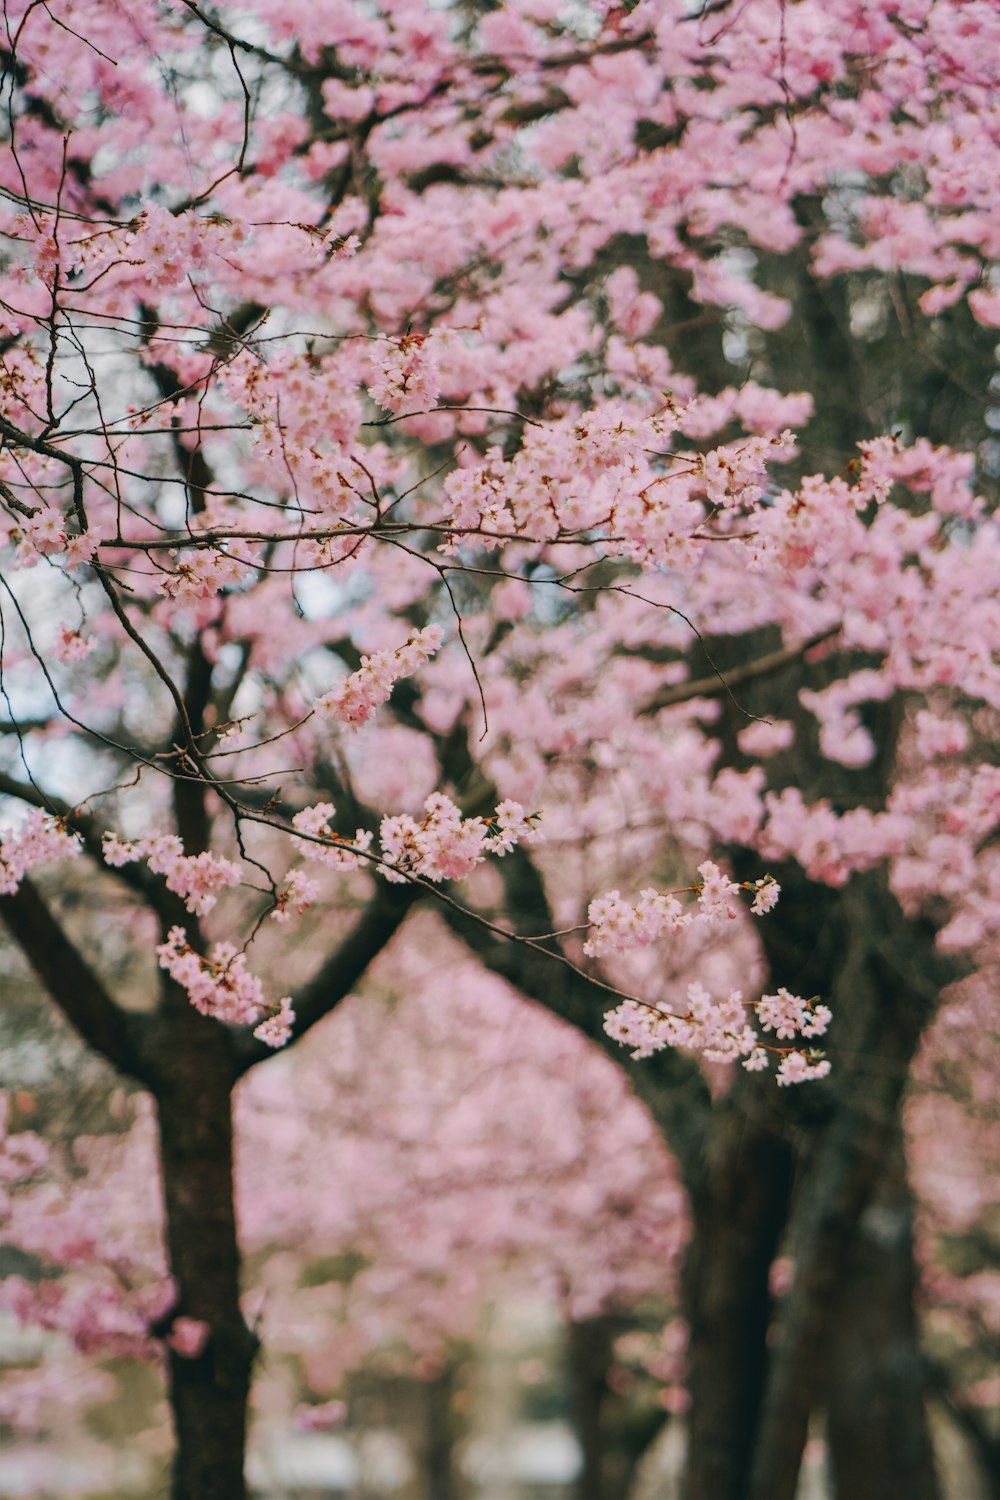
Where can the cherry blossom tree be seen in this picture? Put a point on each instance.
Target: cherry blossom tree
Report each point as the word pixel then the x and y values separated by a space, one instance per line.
pixel 380 1210
pixel 362 500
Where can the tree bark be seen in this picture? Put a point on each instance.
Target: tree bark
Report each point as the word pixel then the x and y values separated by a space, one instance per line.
pixel 739 1219
pixel 877 1427
pixel 209 1391
pixel 588 1348
pixel 439 1437
pixel 888 979
pixel 613 1430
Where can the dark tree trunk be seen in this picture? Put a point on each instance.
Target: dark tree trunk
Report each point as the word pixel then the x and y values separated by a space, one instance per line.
pixel 884 988
pixel 738 1223
pixel 613 1430
pixel 208 1392
pixel 439 1436
pixel 588 1347
pixel 877 1429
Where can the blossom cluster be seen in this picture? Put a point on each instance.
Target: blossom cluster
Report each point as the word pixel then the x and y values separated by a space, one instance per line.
pixel 297 893
pixel 828 845
pixel 407 375
pixel 719 1030
pixel 22 1153
pixel 445 846
pixel 40 840
pixel 46 534
pixel 196 878
pixel 617 924
pixel 223 987
pixel 607 471
pixel 202 575
pixel 324 847
pixel 355 699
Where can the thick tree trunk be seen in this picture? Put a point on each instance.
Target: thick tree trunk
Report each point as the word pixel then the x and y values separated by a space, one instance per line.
pixel 877 1428
pixel 887 983
pixel 209 1391
pixel 588 1348
pixel 738 1223
pixel 613 1430
pixel 439 1437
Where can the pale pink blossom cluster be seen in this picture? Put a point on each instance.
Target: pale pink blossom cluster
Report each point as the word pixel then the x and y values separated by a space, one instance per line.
pixel 222 986
pixel 716 1028
pixel 766 892
pixel 41 535
pixel 760 410
pixel 718 895
pixel 736 475
pixel 297 893
pixel 830 846
pixel 22 1153
pixel 321 1417
pixel 801 1067
pixel 203 574
pixel 324 847
pixel 69 645
pixel 617 924
pixel 953 853
pixel 45 534
pixel 59 1207
pixel 188 1337
pixel 40 840
pixel 355 699
pixel 93 1318
pixel 165 246
pixel 789 1016
pixel 276 1029
pixel 196 878
pixel 608 470
pixel 407 377
pixel 938 736
pixel 719 1030
pixel 445 846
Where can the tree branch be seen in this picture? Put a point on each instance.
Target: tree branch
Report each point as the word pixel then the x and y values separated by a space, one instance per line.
pixel 341 970
pixel 724 682
pixel 79 993
pixel 137 877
